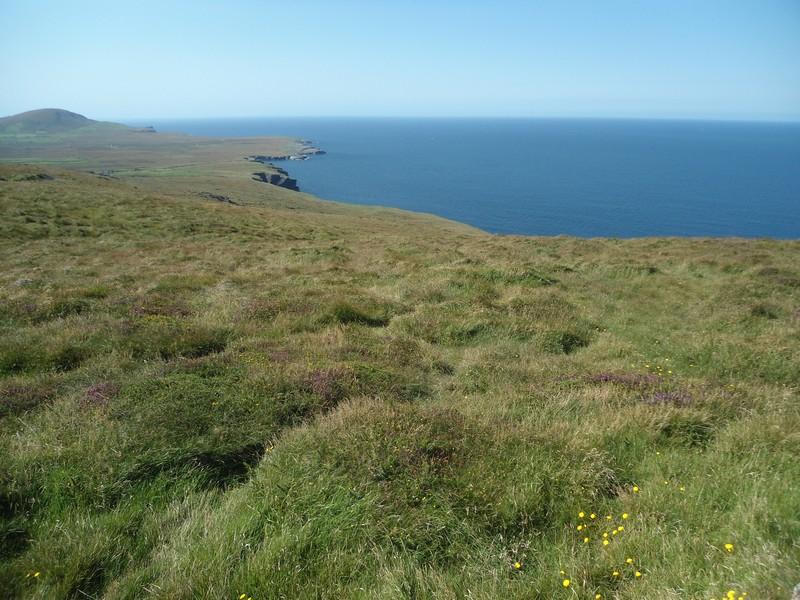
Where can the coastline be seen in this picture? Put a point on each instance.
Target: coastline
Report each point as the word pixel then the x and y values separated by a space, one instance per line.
pixel 281 177
pixel 638 182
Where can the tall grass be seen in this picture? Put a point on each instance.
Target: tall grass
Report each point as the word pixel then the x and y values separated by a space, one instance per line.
pixel 206 400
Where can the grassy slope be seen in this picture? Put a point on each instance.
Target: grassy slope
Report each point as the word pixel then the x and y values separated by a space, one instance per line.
pixel 296 399
pixel 49 120
pixel 157 161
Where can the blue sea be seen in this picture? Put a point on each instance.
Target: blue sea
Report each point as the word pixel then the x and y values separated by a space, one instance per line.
pixel 583 177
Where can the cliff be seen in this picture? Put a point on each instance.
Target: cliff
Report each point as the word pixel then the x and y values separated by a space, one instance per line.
pixel 280 178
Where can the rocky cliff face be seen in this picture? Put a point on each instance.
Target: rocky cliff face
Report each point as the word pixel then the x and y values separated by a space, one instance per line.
pixel 267 158
pixel 309 151
pixel 280 178
pixel 306 152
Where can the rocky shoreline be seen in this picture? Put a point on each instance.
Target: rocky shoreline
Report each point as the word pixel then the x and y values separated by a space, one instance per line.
pixel 281 177
pixel 306 152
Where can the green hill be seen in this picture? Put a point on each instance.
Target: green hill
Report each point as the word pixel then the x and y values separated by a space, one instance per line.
pixel 58 137
pixel 288 398
pixel 45 120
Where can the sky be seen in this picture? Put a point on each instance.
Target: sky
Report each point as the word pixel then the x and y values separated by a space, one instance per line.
pixel 718 59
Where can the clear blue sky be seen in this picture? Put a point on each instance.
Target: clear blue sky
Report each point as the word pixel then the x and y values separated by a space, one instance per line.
pixel 729 59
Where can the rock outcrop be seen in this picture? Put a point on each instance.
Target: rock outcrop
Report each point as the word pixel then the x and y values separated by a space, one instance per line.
pixel 306 152
pixel 267 158
pixel 217 197
pixel 280 178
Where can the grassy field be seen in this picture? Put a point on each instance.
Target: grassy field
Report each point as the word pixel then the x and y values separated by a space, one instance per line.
pixel 290 398
pixel 177 162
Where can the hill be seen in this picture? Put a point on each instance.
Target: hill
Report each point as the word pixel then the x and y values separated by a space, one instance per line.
pixel 291 398
pixel 45 120
pixel 141 155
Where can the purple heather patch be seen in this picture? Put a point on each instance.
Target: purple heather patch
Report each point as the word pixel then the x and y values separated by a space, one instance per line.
pixel 100 393
pixel 327 384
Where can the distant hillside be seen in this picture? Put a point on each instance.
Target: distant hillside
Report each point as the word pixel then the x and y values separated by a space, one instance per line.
pixel 47 120
pixel 60 137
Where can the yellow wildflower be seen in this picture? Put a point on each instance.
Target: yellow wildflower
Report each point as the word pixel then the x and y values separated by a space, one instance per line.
pixel 615 574
pixel 586 540
pixel 592 516
pixel 36 574
pixel 242 597
pixel 624 515
pixel 565 583
pixel 581 514
pixel 636 489
pixel 597 597
pixel 621 528
pixel 638 574
pixel 605 542
pixel 629 561
pixel 729 547
pixel 608 517
pixel 580 527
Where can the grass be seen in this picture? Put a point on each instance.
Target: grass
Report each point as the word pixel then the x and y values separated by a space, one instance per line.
pixel 289 398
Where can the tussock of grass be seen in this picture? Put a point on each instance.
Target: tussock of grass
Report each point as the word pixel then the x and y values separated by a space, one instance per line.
pixel 343 312
pixel 207 400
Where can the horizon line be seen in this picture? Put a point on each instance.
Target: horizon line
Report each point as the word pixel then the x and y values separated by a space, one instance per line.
pixel 776 120
pixel 794 119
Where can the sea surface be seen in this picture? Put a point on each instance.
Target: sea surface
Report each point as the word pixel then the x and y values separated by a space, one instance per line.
pixel 583 177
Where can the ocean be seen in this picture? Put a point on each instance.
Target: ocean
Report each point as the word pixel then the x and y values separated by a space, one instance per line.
pixel 582 177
